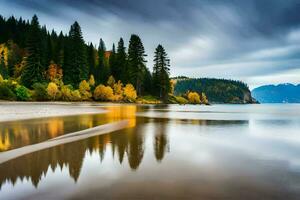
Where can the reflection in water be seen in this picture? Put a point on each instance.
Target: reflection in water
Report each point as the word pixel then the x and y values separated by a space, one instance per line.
pixel 21 133
pixel 129 141
pixel 182 158
pixel 160 141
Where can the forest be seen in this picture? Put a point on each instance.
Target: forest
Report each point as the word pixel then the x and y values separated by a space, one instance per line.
pixel 217 90
pixel 40 65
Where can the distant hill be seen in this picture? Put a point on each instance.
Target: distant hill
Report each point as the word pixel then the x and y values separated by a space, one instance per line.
pixel 282 93
pixel 217 90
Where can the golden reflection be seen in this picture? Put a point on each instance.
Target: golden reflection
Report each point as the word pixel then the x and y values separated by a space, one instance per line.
pixel 128 112
pixel 55 126
pixel 26 132
pixel 4 141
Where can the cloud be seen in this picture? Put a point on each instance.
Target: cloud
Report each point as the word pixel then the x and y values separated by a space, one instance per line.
pixel 204 38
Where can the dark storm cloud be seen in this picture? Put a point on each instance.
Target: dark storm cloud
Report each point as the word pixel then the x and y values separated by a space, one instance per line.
pixel 237 39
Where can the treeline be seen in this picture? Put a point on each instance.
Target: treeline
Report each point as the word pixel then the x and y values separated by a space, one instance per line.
pixel 42 61
pixel 216 90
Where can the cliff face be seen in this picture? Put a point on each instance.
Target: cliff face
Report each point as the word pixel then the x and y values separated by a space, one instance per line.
pixel 217 90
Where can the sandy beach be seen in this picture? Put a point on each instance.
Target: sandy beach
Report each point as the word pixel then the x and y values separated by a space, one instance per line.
pixel 10 111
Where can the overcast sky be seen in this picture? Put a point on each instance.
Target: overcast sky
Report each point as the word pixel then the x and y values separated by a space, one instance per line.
pixel 256 41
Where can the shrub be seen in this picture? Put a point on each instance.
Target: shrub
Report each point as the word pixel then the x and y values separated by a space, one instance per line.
pixel 52 90
pixel 66 93
pixel 204 99
pixel 111 81
pixel 6 93
pixel 92 81
pixel 194 97
pixel 103 93
pixel 129 93
pixel 118 88
pixel 75 95
pixel 181 100
pixel 40 92
pixel 23 94
pixel 85 90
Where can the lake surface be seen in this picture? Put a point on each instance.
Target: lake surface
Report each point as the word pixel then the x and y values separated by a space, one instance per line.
pixel 164 152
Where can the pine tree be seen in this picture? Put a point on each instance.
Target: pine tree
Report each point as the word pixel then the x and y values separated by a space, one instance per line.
pixel 121 62
pixel 161 72
pixel 91 59
pixel 113 64
pixel 101 75
pixel 33 71
pixel 75 67
pixel 136 62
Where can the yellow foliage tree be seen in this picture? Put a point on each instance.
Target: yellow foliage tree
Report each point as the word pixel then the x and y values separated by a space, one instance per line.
pixel 92 80
pixel 194 97
pixel 118 88
pixel 172 86
pixel 129 93
pixel 76 95
pixel 85 90
pixel 52 90
pixel 204 99
pixel 1 78
pixel 54 72
pixel 111 81
pixel 103 93
pixel 4 53
pixel 66 93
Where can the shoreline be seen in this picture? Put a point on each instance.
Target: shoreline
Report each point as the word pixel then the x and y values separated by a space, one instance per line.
pixel 12 111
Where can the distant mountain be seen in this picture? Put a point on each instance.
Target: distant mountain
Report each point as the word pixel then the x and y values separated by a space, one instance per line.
pixel 217 90
pixel 282 93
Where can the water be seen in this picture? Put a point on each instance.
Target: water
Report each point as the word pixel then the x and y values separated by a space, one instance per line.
pixel 165 152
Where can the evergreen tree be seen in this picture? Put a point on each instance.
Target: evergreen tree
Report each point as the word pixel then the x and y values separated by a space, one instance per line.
pixel 121 62
pixel 136 62
pixel 113 64
pixel 161 72
pixel 59 50
pixel 91 59
pixel 33 71
pixel 75 67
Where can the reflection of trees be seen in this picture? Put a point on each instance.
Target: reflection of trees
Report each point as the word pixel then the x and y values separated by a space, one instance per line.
pixel 160 141
pixel 128 143
pixel 21 133
pixel 34 166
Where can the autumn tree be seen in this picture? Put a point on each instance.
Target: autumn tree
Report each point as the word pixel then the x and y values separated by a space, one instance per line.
pixel 92 81
pixel 52 90
pixel 54 72
pixel 103 93
pixel 204 99
pixel 111 81
pixel 193 98
pixel 130 94
pixel 85 90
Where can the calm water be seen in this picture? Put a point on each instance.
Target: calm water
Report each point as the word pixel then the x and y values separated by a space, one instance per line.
pixel 165 152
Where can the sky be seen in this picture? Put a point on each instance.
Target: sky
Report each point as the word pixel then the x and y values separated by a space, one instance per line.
pixel 255 41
